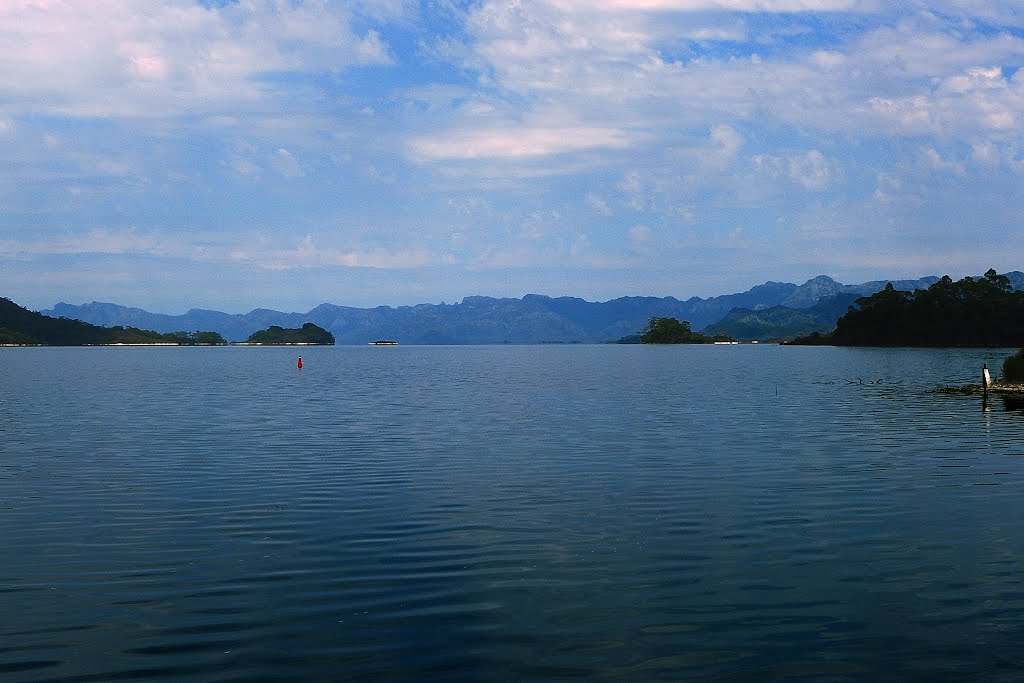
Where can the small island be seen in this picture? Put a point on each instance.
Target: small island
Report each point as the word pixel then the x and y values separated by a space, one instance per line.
pixel 672 331
pixel 307 335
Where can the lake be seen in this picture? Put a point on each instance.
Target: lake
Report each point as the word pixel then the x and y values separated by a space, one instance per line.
pixel 713 513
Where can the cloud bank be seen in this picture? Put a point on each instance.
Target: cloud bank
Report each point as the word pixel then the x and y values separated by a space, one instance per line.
pixel 636 147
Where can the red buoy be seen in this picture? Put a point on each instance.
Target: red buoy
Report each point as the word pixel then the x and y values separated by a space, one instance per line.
pixel 300 362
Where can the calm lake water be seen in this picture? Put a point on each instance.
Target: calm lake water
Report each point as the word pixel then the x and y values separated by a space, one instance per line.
pixel 752 513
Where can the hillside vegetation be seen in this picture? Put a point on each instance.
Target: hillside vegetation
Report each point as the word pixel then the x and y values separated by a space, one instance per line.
pixel 970 312
pixel 307 334
pixel 672 331
pixel 781 322
pixel 18 325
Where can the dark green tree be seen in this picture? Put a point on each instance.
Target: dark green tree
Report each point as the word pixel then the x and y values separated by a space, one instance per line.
pixel 669 331
pixel 208 338
pixel 307 334
pixel 43 329
pixel 183 338
pixel 981 311
pixel 1013 368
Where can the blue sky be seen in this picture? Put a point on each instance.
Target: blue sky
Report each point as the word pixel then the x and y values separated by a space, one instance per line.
pixel 170 154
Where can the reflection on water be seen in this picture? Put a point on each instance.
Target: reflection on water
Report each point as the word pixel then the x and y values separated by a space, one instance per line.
pixel 524 513
pixel 1013 404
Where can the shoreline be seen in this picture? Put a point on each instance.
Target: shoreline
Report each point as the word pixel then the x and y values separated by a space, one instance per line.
pixel 996 388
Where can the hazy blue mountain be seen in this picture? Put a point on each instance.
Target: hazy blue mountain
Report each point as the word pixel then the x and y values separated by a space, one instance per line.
pixel 812 291
pixel 869 288
pixel 783 322
pixel 232 327
pixel 487 320
pixel 18 325
pixel 816 289
pixel 703 312
pixel 1016 279
pixel 476 320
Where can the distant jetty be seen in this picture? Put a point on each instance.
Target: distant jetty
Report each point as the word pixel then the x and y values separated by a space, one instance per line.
pixel 383 342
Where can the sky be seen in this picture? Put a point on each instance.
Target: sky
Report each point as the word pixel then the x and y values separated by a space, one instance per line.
pixel 175 154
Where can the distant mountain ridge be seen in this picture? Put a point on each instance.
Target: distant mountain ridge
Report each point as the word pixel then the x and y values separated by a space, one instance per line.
pixel 486 320
pixel 476 320
pixel 20 326
pixel 818 288
pixel 783 322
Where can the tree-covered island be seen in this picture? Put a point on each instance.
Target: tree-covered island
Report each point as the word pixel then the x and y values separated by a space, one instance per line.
pixel 22 327
pixel 672 331
pixel 982 312
pixel 307 335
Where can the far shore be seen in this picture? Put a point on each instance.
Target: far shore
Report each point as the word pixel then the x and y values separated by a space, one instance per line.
pixel 75 346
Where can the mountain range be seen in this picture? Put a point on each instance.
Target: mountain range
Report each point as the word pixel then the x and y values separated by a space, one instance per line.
pixel 783 322
pixel 767 311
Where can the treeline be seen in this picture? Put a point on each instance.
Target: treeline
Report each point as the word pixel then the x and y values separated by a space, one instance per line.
pixel 307 334
pixel 18 325
pixel 195 338
pixel 672 331
pixel 969 312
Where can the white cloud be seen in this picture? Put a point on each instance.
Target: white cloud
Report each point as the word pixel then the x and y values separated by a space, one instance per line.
pixel 810 170
pixel 307 254
pixel 634 187
pixel 515 143
pixel 287 165
pixel 985 153
pixel 639 238
pixel 782 6
pixel 154 58
pixel 932 161
pixel 245 167
pixel 961 104
pixel 112 167
pixel 598 204
pixel 724 143
pixel 469 206
pixel 703 113
pixel 893 190
pixel 372 50
pixel 97 241
pixel 611 68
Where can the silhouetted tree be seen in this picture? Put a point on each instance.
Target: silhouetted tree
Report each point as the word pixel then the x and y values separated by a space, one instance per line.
pixel 981 311
pixel 672 331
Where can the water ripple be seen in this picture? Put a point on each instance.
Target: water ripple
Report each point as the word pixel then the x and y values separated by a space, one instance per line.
pixel 506 513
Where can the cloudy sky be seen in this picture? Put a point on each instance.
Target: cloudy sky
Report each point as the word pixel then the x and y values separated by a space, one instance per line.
pixel 282 153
